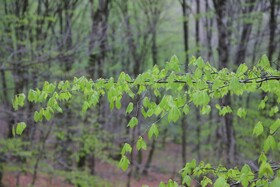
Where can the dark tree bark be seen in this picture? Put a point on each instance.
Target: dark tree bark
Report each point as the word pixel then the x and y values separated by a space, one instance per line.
pixel 197 40
pixel 223 51
pixel 272 29
pixel 185 30
pixel 185 8
pixel 98 38
pixel 209 26
pixel 245 35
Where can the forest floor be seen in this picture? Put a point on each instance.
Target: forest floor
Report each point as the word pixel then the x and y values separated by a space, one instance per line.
pixel 165 165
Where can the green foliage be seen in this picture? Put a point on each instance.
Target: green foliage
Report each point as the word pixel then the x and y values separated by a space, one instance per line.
pixel 133 122
pixel 18 101
pixel 258 130
pixel 205 84
pixel 20 128
pixel 141 144
pixel 153 131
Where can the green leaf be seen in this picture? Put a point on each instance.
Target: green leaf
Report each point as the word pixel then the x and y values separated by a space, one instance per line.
pixel 201 98
pixel 205 182
pixel 174 114
pixel 186 109
pixel 47 113
pixel 126 149
pixel 118 104
pixel 20 128
pixel 223 110
pixel 275 182
pixel 161 184
pixel 198 73
pixel 172 183
pixel 241 69
pixel 264 62
pixel 258 130
pixel 141 144
pixel 200 63
pixel 241 112
pixel 124 163
pixel 221 182
pixel 274 110
pixel 235 86
pixel 262 103
pixel 265 170
pixel 205 110
pixel 269 143
pixel 153 131
pixel 129 108
pixel 187 180
pixel 38 116
pixel 32 95
pixel 133 122
pixel 18 101
pixel 262 158
pixel 275 126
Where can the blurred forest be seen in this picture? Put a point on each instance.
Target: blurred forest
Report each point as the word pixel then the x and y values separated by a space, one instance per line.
pixel 56 40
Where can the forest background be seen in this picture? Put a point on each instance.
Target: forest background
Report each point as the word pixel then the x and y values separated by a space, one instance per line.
pixel 48 40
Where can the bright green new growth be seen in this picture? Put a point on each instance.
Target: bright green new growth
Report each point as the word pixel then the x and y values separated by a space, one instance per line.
pixel 205 84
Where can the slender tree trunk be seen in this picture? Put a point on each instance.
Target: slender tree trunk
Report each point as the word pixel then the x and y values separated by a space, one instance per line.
pixel 209 26
pixel 186 46
pixel 185 31
pixel 272 29
pixel 197 40
pixel 223 51
pixel 245 36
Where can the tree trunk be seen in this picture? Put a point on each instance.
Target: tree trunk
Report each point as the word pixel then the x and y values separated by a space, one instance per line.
pixel 223 51
pixel 186 46
pixel 272 29
pixel 197 40
pixel 245 36
pixel 185 31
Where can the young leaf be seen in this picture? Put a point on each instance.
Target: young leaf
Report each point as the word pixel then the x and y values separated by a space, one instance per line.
pixel 262 158
pixel 258 130
pixel 126 149
pixel 124 163
pixel 38 116
pixel 241 69
pixel 141 144
pixel 153 131
pixel 241 112
pixel 221 182
pixel 118 104
pixel 235 86
pixel 205 182
pixel 201 98
pixel 20 128
pixel 133 122
pixel 269 143
pixel 187 180
pixel 205 110
pixel 264 62
pixel 265 170
pixel 174 114
pixel 186 109
pixel 47 114
pixel 275 126
pixel 129 108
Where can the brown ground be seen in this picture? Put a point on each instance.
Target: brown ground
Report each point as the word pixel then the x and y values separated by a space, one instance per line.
pixel 165 165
